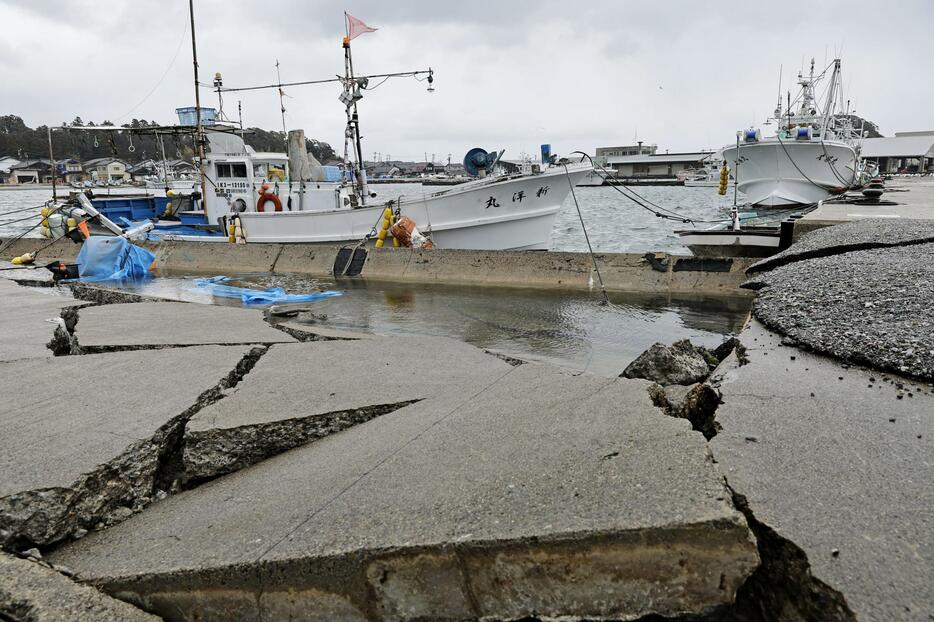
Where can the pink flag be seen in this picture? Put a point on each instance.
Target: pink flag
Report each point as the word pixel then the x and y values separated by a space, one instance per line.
pixel 356 27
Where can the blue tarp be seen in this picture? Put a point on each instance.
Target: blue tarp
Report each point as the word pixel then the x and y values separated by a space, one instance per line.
pixel 103 258
pixel 274 295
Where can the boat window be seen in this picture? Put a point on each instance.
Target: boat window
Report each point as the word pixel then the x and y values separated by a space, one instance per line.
pixel 259 170
pixel 232 170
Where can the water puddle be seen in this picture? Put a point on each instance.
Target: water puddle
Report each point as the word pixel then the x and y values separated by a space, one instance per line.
pixel 571 330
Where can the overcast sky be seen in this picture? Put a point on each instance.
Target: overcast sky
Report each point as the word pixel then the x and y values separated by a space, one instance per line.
pixel 509 74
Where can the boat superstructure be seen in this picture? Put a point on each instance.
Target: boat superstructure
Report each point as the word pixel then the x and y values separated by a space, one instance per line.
pixel 812 156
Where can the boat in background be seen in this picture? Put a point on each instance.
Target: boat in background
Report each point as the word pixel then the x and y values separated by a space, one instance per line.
pixel 812 156
pixel 706 177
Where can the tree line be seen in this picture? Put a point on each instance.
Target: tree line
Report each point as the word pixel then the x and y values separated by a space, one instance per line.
pixel 22 142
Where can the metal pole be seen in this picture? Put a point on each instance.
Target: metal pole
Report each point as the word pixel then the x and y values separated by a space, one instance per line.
pixel 52 160
pixel 200 129
pixel 736 173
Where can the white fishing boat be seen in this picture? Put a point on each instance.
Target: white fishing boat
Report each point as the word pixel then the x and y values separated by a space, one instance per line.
pixel 495 211
pixel 812 156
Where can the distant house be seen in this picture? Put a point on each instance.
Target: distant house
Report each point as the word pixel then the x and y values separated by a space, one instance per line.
pixel 70 171
pixel 384 169
pixel 31 172
pixel 6 162
pixel 422 169
pixel 107 169
pixel 153 169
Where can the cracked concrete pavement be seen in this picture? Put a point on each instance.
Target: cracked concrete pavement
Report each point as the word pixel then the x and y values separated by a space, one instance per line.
pixel 32 592
pixel 835 459
pixel 30 317
pixel 508 491
pixel 83 435
pixel 532 492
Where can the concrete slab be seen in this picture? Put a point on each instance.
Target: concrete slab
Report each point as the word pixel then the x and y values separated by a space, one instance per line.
pixel 28 318
pixel 82 435
pixel 298 393
pixel 851 236
pixel 833 461
pixel 868 307
pixel 31 592
pixel 537 493
pixel 155 324
pixel 300 380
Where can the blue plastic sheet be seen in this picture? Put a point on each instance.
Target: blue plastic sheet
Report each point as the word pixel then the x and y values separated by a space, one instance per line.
pixel 104 258
pixel 273 295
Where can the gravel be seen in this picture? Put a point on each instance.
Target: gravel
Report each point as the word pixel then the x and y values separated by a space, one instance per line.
pixel 851 236
pixel 871 307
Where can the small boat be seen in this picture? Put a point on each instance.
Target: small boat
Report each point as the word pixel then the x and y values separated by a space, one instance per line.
pixel 707 177
pixel 750 241
pixel 736 240
pixel 812 156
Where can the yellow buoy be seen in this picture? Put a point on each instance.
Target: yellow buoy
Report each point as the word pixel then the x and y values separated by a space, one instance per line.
pixel 71 223
pixel 384 228
pixel 23 260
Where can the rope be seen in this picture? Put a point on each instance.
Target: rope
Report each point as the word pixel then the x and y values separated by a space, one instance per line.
pixel 24 209
pixel 10 222
pixel 606 299
pixel 11 241
pixel 659 211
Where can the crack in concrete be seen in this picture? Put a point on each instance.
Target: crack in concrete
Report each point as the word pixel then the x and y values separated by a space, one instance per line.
pixel 207 454
pixel 782 588
pixel 303 336
pixel 778 262
pixel 114 490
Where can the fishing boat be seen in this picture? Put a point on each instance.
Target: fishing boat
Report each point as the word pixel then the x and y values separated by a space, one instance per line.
pixel 812 156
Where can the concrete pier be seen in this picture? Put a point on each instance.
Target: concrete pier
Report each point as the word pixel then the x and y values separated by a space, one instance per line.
pixel 622 272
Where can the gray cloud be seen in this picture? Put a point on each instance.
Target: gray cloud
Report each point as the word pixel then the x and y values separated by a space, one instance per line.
pixel 509 74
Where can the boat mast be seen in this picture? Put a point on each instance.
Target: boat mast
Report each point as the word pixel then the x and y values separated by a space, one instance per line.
pixel 200 128
pixel 831 93
pixel 352 93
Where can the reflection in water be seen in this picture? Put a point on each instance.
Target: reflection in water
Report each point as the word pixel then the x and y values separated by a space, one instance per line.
pixel 568 329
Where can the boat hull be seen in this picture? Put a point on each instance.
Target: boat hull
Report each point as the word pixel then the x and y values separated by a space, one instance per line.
pixel 789 173
pixel 750 242
pixel 507 213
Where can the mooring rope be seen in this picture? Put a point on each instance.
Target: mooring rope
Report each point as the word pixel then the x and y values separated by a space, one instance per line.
pixel 606 299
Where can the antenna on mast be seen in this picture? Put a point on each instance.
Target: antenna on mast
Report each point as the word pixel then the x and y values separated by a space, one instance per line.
pixel 281 102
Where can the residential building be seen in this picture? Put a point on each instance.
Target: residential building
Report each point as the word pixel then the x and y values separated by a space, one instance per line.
pixel 31 172
pixel 70 171
pixel 107 169
pixel 906 152
pixel 6 162
pixel 153 169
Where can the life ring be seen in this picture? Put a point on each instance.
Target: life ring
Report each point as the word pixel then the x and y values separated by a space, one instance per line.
pixel 268 196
